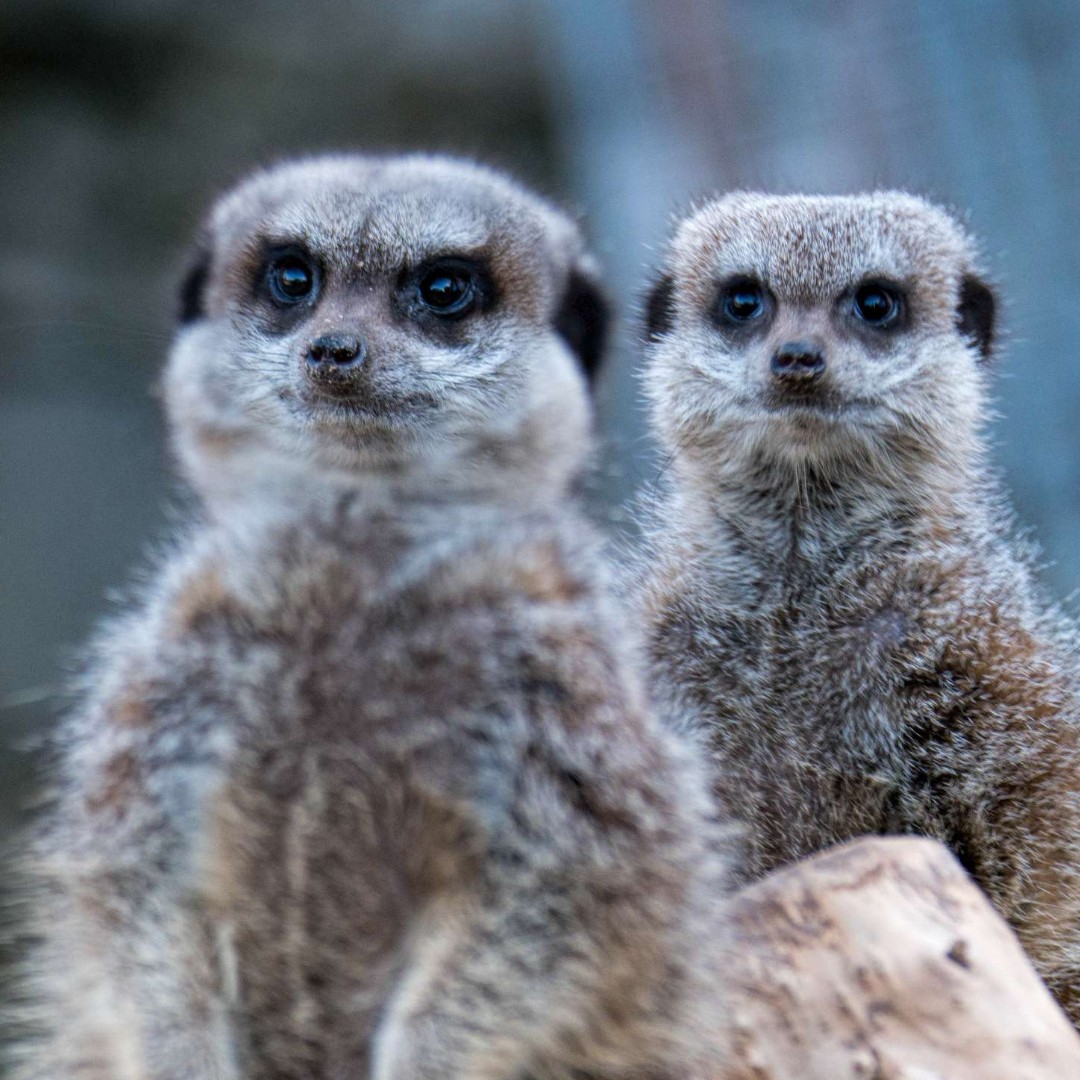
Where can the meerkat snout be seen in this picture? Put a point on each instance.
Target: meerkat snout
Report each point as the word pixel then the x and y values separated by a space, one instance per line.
pixel 798 363
pixel 335 362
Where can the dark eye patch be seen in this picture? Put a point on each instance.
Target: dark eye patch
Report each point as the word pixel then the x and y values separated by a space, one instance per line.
pixel 743 302
pixel 878 304
pixel 291 277
pixel 446 289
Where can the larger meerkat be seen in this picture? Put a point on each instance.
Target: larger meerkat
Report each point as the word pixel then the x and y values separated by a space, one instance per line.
pixel 365 786
pixel 834 599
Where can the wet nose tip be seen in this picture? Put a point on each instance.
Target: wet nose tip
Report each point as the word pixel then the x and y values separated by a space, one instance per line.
pixel 335 349
pixel 798 361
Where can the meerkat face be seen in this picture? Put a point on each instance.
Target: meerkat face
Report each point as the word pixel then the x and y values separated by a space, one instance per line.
pixel 365 312
pixel 818 330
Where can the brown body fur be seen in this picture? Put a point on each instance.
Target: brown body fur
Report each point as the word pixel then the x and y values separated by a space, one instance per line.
pixel 834 600
pixel 366 785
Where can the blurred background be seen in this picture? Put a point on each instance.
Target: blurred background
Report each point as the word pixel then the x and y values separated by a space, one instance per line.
pixel 120 119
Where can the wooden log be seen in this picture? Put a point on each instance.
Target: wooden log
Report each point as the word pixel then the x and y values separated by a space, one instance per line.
pixel 881 960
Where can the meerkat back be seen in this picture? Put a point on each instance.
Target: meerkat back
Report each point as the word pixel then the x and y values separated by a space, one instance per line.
pixel 833 597
pixel 366 785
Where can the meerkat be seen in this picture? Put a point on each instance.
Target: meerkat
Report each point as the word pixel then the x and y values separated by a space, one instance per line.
pixel 366 784
pixel 834 600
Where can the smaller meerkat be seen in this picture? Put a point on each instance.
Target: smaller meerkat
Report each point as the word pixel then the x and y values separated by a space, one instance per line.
pixel 366 785
pixel 834 598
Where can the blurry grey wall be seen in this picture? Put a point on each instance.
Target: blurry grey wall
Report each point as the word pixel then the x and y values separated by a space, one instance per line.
pixel 119 119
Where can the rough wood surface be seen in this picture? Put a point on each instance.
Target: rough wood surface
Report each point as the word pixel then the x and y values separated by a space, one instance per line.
pixel 880 960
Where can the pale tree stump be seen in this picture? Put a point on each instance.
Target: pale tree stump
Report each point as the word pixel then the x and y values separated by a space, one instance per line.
pixel 881 960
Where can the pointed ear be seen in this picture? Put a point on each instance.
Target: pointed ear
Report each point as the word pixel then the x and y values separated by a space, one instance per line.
pixel 192 298
pixel 660 308
pixel 583 319
pixel 976 314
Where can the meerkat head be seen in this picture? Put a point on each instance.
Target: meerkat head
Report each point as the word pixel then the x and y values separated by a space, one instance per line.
pixel 354 313
pixel 819 333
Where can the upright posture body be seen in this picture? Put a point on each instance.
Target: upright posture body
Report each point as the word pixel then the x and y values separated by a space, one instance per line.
pixel 834 598
pixel 365 785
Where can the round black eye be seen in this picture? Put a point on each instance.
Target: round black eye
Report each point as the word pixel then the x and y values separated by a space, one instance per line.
pixel 291 279
pixel 876 305
pixel 448 290
pixel 743 302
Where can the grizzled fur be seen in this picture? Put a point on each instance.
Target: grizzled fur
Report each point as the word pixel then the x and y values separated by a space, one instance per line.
pixel 834 598
pixel 366 785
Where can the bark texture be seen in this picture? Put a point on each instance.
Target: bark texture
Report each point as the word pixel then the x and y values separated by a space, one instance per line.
pixel 881 960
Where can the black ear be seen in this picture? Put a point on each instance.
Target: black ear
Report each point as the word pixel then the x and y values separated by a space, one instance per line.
pixel 660 308
pixel 582 320
pixel 192 304
pixel 976 313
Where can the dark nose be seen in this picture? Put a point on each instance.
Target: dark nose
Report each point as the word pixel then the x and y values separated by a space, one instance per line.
pixel 335 362
pixel 341 350
pixel 798 362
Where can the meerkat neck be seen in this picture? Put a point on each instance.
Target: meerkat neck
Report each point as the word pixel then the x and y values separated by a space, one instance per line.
pixel 772 514
pixel 451 493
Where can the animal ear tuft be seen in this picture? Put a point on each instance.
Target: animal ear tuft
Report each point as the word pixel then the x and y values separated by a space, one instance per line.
pixel 582 321
pixel 192 305
pixel 976 313
pixel 660 308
